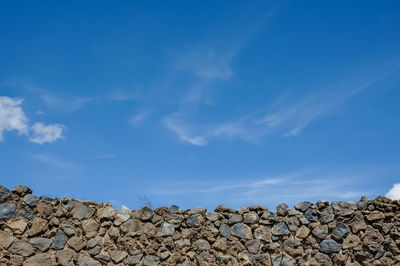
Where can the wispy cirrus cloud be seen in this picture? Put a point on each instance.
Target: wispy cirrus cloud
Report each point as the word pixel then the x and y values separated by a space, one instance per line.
pixel 13 118
pixel 54 161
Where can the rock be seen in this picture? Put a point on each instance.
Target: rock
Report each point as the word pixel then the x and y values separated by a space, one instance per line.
pixel 44 209
pixel 242 231
pixel 302 232
pixel 196 220
pixel 344 208
pixel 22 248
pixel 327 215
pixel 77 243
pixel 41 243
pixel 105 212
pixel 311 215
pixel 280 229
pixel 175 209
pixel 362 204
pixel 59 241
pixel 357 223
pixel 135 259
pixel 167 229
pixel 225 230
pixel 293 247
pixel 320 231
pixel 212 216
pixel 268 218
pixel 372 236
pixel 151 260
pixel 351 241
pixel 4 193
pixel 221 244
pixel 5 239
pixel 39 226
pixel 202 244
pixel 93 242
pixel 223 208
pixel 321 259
pixel 282 209
pixel 250 218
pixel 292 223
pixel 50 200
pixel 235 218
pixel 263 233
pixel 21 190
pixel 26 211
pixel 8 210
pixel 90 227
pixel 329 246
pixel 86 260
pixel 145 214
pixel 102 257
pixel 341 231
pixel 374 216
pixel 65 256
pixel 303 206
pixel 123 215
pixel 253 245
pixel 130 226
pixel 197 210
pixel 17 225
pixel 117 256
pixel 42 259
pixel 80 211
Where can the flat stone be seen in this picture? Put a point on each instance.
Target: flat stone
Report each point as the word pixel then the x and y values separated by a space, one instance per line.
pixel 202 244
pixel 280 229
pixel 117 255
pixel 250 218
pixel 106 212
pixel 195 220
pixel 351 241
pixel 320 231
pixel 375 216
pixel 344 208
pixel 212 216
pixel 123 215
pixel 135 259
pixel 41 243
pixel 311 215
pixel 59 241
pixel 80 211
pixel 167 229
pixel 253 245
pixel 90 227
pixel 329 246
pixel 42 259
pixel 225 230
pixel 341 231
pixel 151 260
pixel 130 226
pixel 242 231
pixel 103 257
pixel 303 206
pixel 21 190
pixel 77 243
pixel 8 210
pixel 93 242
pixel 235 218
pixel 65 256
pixel 87 261
pixel 39 226
pixel 4 193
pixel 6 239
pixel 22 248
pixel 17 225
pixel 263 233
pixel 302 232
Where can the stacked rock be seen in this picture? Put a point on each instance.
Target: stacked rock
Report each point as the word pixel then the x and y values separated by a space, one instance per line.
pixel 51 231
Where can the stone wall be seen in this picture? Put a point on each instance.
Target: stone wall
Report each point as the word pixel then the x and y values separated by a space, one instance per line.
pixel 51 231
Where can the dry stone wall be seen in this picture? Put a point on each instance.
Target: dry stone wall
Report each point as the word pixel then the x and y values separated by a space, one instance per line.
pixel 51 231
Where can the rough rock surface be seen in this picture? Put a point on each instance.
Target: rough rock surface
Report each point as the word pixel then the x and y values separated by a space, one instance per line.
pixel 51 231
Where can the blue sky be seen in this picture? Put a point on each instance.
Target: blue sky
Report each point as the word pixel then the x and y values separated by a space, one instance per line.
pixel 200 103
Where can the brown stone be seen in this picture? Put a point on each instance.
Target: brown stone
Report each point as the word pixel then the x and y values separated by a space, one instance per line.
pixel 41 259
pixel 65 256
pixel 5 239
pixel 374 216
pixel 18 225
pixel 351 241
pixel 76 243
pixel 22 248
pixel 39 226
pixel 302 232
pixel 117 255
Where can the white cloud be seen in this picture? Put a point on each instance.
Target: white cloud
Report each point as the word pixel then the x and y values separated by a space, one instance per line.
pixel 136 119
pixel 394 192
pixel 46 133
pixel 12 117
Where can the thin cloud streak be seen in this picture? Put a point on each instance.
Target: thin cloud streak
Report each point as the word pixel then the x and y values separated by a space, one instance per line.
pixel 53 161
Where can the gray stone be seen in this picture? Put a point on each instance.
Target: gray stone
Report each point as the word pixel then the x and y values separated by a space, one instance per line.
pixel 80 211
pixel 50 200
pixel 175 209
pixel 321 259
pixel 31 200
pixel 341 231
pixel 303 206
pixel 311 215
pixel 263 233
pixel 6 239
pixel 253 245
pixel 167 229
pixel 59 240
pixel 242 231
pixel 269 216
pixel 280 229
pixel 197 210
pixel 250 218
pixel 8 210
pixel 26 211
pixel 225 230
pixel 327 215
pixel 362 204
pixel 151 260
pixel 329 246
pixel 212 216
pixel 320 231
pixel 135 259
pixel 4 193
pixel 41 243
pixel 145 214
pixel 22 248
pixel 282 209
pixel 202 244
pixel 196 220
pixel 102 257
pixel 117 255
pixel 22 190
pixel 235 218
pixel 292 223
pixel 344 208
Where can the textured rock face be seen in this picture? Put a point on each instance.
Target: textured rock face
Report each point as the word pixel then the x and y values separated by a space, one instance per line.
pixel 49 231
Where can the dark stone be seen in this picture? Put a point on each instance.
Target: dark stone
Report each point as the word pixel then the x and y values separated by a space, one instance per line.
pixel 59 240
pixel 303 206
pixel 26 211
pixel 280 229
pixel 4 193
pixel 282 209
pixel 22 190
pixel 31 200
pixel 196 220
pixel 341 231
pixel 311 215
pixel 175 209
pixel 8 210
pixel 329 246
pixel 50 200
